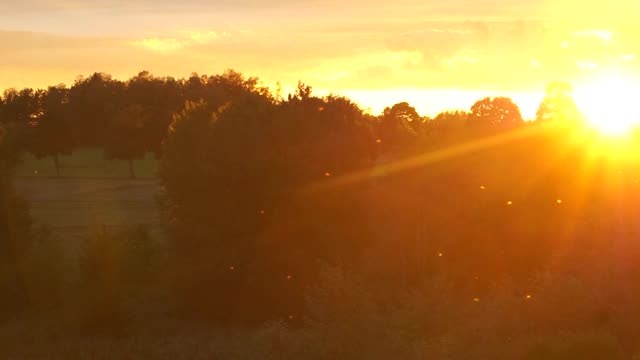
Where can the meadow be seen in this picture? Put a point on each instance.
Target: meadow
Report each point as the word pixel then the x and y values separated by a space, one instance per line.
pixel 91 191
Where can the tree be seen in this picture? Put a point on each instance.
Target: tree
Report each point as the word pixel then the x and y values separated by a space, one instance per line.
pixel 20 107
pixel 448 122
pixel 235 183
pixel 124 135
pixel 94 101
pixel 558 104
pixel 399 126
pixel 495 113
pixel 158 99
pixel 51 131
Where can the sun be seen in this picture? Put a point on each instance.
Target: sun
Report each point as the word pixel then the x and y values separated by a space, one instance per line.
pixel 610 104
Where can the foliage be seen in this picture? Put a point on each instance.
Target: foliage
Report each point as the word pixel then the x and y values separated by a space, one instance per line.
pixel 228 175
pixel 124 135
pixel 399 126
pixel 50 131
pixel 498 112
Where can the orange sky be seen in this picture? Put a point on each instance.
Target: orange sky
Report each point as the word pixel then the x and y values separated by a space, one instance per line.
pixel 435 54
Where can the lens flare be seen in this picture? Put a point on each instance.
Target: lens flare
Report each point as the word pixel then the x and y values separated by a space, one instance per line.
pixel 609 104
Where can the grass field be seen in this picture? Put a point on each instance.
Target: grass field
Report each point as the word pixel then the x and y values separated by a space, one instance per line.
pixel 91 191
pixel 86 163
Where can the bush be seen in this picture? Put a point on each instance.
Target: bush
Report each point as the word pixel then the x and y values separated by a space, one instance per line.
pixel 579 346
pixel 115 267
pixel 46 270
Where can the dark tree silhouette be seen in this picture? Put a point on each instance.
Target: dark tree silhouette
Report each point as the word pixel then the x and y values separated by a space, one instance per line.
pixel 51 131
pixel 94 101
pixel 399 127
pixel 157 99
pixel 20 106
pixel 495 113
pixel 124 138
pixel 447 123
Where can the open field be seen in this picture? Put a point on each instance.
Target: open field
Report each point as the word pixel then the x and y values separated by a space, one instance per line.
pixel 86 163
pixel 91 191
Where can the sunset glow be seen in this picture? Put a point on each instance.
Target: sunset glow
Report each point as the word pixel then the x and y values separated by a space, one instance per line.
pixel 442 57
pixel 320 179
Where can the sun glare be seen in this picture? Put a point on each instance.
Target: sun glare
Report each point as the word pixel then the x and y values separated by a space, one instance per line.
pixel 610 104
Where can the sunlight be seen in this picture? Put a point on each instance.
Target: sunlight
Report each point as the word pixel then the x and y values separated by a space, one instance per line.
pixel 427 158
pixel 430 102
pixel 609 104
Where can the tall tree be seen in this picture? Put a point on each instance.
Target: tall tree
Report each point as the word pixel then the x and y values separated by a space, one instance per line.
pixel 124 136
pixel 157 99
pixel 94 101
pixel 51 132
pixel 226 173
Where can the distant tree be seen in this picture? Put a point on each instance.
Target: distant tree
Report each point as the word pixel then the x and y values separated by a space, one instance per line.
pixel 193 88
pixel 447 122
pixel 402 111
pixel 232 85
pixel 124 135
pixel 332 134
pixel 218 90
pixel 399 126
pixel 21 106
pixel 158 99
pixel 303 92
pixel 94 101
pixel 20 109
pixel 51 131
pixel 558 104
pixel 495 113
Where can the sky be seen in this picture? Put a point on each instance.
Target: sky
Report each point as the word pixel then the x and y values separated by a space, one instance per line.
pixel 438 55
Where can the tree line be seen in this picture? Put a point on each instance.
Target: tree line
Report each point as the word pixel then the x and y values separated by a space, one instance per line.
pixel 130 118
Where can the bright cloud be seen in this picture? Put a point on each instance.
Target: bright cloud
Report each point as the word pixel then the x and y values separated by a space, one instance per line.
pixel 160 44
pixel 167 45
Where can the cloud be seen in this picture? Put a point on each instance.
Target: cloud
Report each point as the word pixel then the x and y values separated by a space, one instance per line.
pixel 587 65
pixel 603 35
pixel 390 53
pixel 204 37
pixel 169 44
pixel 162 45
